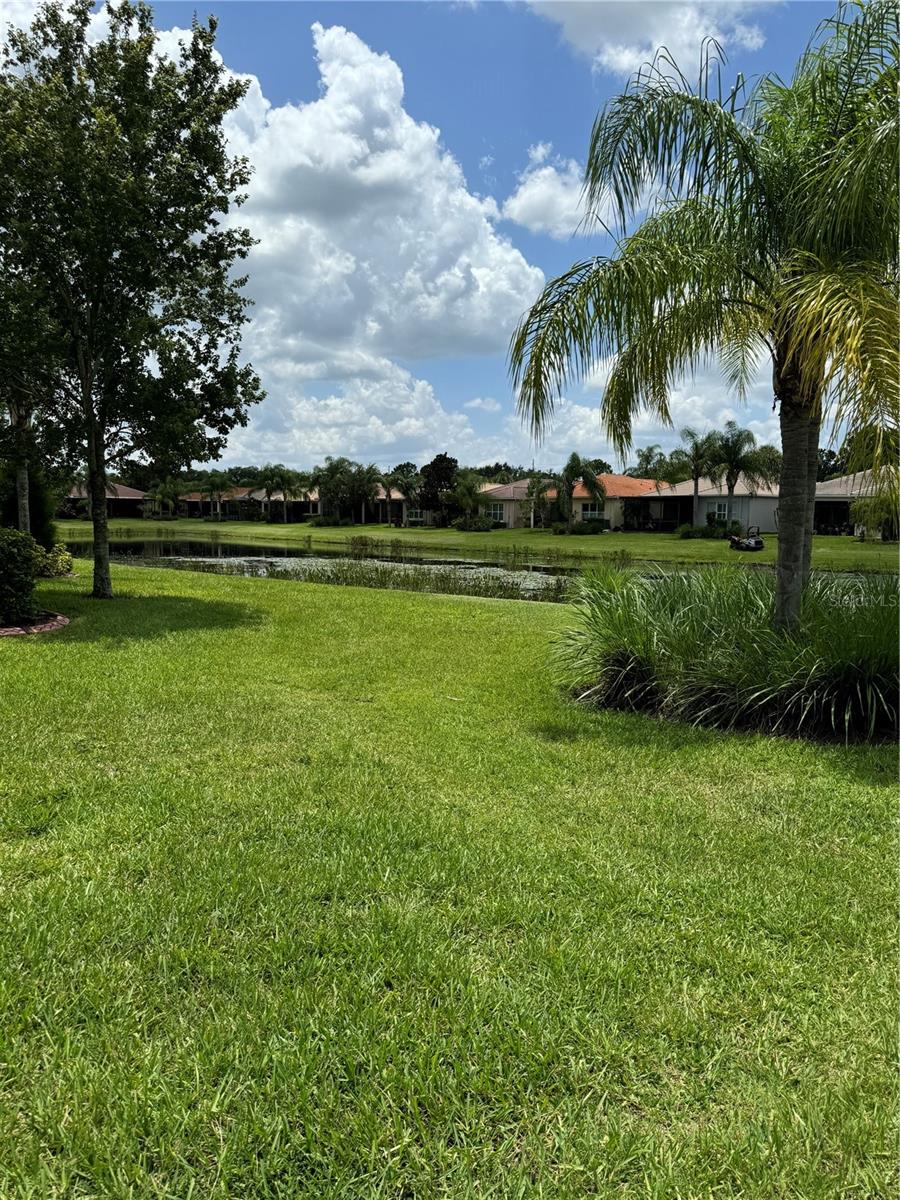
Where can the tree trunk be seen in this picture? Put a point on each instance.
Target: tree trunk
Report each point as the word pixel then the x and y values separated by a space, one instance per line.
pixel 284 505
pixel 19 419
pixel 695 511
pixel 793 508
pixel 22 483
pixel 102 589
pixel 729 512
pixel 812 467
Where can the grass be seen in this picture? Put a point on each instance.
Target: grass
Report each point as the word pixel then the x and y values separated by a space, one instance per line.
pixel 699 646
pixel 321 893
pixel 829 553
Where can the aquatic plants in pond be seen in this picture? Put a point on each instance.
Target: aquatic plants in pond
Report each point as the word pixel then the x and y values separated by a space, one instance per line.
pixel 484 582
pixel 699 646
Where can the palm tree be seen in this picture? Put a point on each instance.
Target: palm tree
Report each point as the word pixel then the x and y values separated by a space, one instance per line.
pixel 736 454
pixel 467 494
pixel 165 494
pixel 406 480
pixel 772 232
pixel 577 470
pixel 364 482
pixel 650 463
pixel 269 481
pixel 217 484
pixel 698 458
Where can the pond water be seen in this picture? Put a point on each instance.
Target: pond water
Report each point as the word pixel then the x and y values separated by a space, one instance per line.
pixel 159 551
pixel 360 563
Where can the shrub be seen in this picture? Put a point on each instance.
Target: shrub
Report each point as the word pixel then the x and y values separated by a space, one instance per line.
pixel 699 646
pixel 56 561
pixel 41 505
pixel 712 529
pixel 329 522
pixel 475 524
pixel 580 528
pixel 20 561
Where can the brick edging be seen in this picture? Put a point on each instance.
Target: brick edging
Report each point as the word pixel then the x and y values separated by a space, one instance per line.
pixel 55 621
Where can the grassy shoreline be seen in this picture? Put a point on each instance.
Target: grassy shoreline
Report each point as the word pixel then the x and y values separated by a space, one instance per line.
pixel 829 553
pixel 321 892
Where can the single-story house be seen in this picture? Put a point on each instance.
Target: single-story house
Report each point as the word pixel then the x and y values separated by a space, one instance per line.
pixel 833 500
pixel 673 505
pixel 232 505
pixel 504 502
pixel 121 501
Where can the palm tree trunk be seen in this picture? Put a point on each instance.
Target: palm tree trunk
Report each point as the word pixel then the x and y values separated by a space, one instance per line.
pixel 284 506
pixel 812 466
pixel 729 514
pixel 695 511
pixel 793 507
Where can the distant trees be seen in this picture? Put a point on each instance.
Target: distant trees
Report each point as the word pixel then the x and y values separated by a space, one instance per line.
pixel 696 459
pixel 115 179
pixel 577 471
pixel 736 454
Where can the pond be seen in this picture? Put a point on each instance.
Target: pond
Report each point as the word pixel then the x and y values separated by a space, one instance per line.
pixel 368 564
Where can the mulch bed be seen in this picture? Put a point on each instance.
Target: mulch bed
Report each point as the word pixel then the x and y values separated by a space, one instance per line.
pixel 44 622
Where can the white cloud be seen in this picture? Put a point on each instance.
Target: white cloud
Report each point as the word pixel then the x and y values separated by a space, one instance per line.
pixel 620 35
pixel 371 248
pixel 549 197
pixel 484 404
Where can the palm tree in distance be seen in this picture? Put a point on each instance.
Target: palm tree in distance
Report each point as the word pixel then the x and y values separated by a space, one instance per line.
pixel 269 481
pixel 577 471
pixel 736 454
pixel 771 232
pixel 406 480
pixel 698 457
pixel 217 484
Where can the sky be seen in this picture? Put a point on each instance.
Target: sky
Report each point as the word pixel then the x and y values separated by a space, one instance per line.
pixel 417 180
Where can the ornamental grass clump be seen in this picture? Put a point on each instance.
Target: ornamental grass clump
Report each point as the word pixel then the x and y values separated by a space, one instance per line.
pixel 699 646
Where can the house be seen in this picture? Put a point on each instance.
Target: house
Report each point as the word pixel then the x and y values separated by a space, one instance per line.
pixel 625 505
pixel 834 498
pixel 673 506
pixel 231 505
pixel 121 501
pixel 504 502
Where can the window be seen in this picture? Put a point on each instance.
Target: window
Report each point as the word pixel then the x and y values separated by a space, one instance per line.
pixel 415 516
pixel 722 511
pixel 592 511
pixel 495 512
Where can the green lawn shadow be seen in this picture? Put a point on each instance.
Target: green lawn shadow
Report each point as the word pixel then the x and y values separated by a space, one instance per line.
pixel 136 618
pixel 873 763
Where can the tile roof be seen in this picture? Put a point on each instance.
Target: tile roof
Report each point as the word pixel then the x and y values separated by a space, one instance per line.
pixel 617 487
pixel 517 490
pixel 114 491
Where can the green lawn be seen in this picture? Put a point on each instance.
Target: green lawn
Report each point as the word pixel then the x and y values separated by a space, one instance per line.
pixel 829 553
pixel 327 893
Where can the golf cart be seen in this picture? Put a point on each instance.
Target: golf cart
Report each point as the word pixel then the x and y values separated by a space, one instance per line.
pixel 751 542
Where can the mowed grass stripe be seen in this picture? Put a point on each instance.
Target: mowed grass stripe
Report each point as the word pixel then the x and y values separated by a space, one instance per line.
pixel 326 892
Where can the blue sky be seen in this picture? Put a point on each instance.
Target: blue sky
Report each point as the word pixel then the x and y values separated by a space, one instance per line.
pixel 393 259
